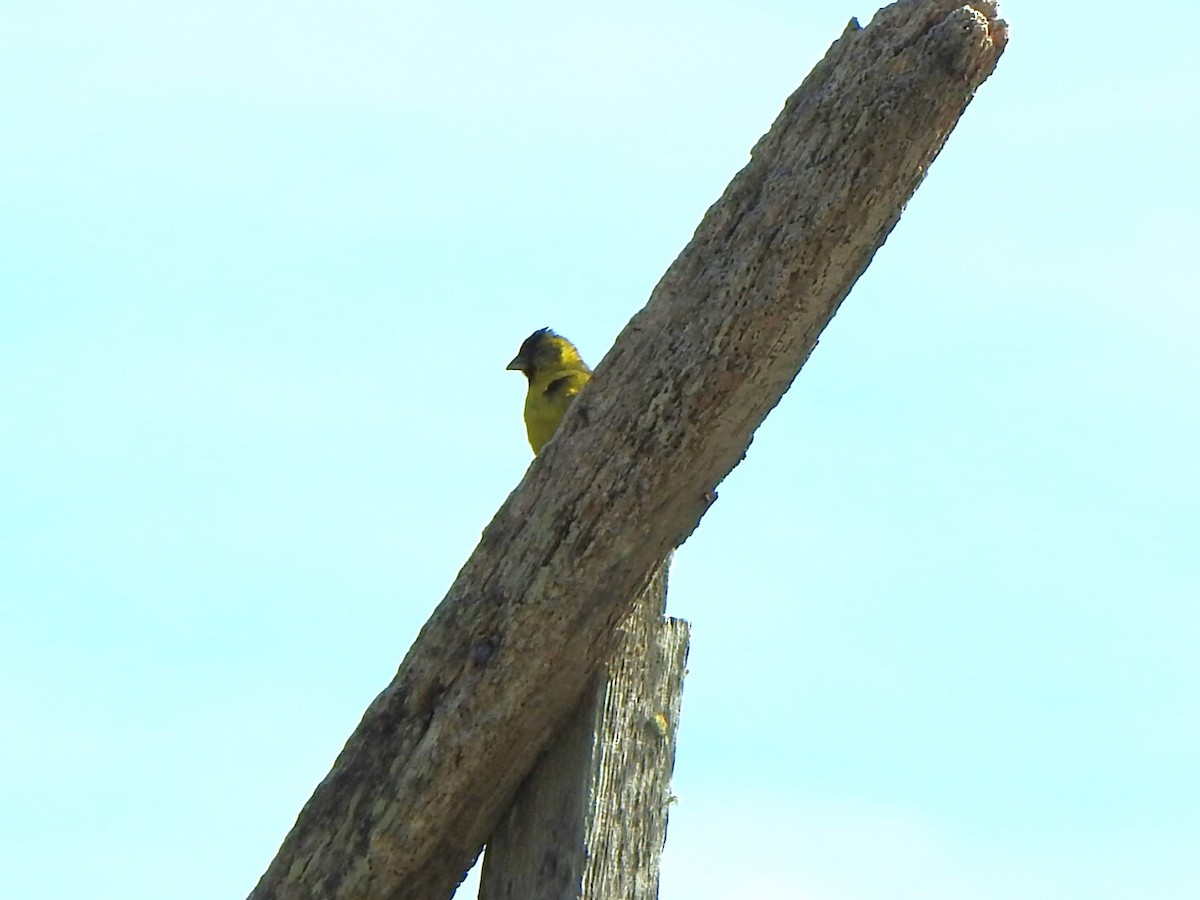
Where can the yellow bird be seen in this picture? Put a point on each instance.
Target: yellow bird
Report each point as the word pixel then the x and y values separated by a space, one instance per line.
pixel 556 374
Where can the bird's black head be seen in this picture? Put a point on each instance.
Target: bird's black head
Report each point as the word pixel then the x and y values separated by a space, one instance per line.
pixel 544 350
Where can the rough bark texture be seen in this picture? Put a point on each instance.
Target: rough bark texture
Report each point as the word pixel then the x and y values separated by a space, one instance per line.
pixel 590 821
pixel 506 656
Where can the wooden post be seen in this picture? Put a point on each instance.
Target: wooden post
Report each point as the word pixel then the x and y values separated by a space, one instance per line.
pixel 503 661
pixel 590 821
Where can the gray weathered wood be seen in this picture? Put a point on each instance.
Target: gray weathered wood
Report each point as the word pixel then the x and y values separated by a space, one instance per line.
pixel 590 821
pixel 505 657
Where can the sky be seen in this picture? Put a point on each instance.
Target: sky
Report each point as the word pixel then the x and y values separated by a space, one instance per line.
pixel 261 268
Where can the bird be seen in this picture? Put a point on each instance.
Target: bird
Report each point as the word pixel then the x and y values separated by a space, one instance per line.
pixel 556 375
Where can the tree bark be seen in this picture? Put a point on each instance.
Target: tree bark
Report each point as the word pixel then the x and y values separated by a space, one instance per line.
pixel 590 821
pixel 506 656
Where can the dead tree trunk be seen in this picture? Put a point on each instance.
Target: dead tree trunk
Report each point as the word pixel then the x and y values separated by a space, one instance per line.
pixel 506 656
pixel 590 820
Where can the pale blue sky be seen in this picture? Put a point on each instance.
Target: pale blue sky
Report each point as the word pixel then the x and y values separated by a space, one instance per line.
pixel 261 269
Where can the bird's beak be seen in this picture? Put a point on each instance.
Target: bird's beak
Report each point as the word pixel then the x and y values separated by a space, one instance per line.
pixel 517 365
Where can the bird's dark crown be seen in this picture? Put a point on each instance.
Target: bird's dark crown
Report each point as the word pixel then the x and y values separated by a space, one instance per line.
pixel 545 352
pixel 538 339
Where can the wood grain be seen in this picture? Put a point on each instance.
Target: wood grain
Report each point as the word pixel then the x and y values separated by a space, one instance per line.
pixel 590 821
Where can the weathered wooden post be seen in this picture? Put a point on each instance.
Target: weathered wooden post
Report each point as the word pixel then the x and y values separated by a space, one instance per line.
pixel 498 669
pixel 590 820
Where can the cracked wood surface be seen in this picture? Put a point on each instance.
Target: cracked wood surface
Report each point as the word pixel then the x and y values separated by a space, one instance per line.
pixel 506 656
pixel 590 820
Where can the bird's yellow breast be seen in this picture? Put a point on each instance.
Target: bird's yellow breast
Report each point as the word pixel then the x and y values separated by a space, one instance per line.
pixel 549 397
